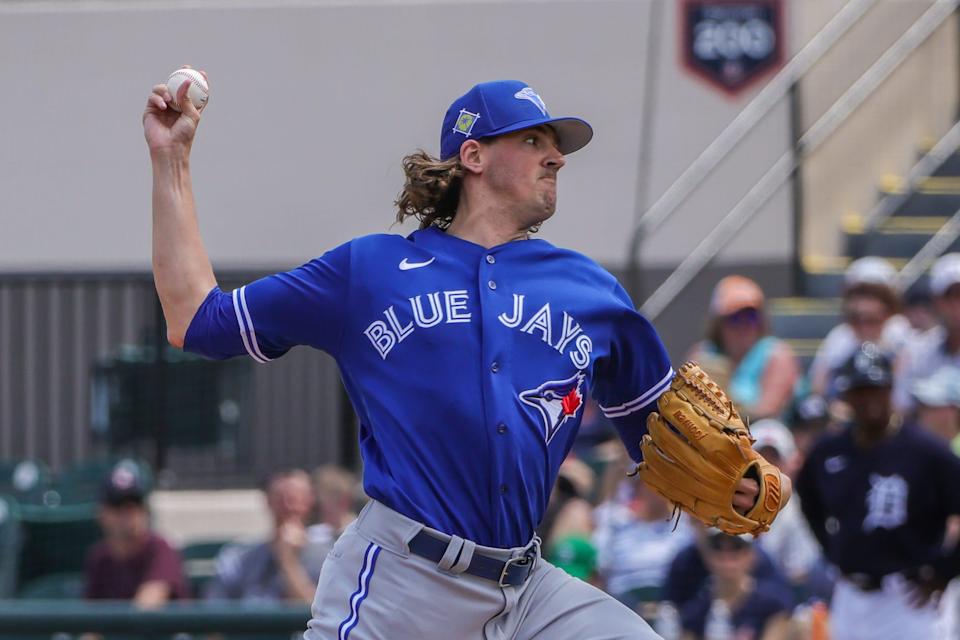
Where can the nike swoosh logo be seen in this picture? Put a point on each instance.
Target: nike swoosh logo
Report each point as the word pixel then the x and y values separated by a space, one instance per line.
pixel 406 266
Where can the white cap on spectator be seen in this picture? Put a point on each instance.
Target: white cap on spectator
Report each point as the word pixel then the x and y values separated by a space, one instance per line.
pixel 944 273
pixel 870 270
pixel 773 433
pixel 940 389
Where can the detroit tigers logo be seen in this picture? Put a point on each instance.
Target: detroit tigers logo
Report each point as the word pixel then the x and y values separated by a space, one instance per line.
pixel 529 94
pixel 886 502
pixel 557 401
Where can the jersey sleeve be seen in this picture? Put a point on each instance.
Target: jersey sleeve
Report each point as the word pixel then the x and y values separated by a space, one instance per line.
pixel 634 374
pixel 266 318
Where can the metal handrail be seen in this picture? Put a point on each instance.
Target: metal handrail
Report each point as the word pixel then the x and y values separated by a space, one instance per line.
pixel 929 163
pixel 928 254
pixel 741 213
pixel 746 120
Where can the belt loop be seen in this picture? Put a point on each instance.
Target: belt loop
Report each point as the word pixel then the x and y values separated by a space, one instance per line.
pixel 466 556
pixel 451 554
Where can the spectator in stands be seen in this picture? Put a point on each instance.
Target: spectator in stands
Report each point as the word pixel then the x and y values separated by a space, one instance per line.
pixel 733 604
pixel 789 542
pixel 809 419
pixel 567 526
pixel 285 567
pixel 636 540
pixel 871 305
pixel 337 491
pixel 918 309
pixel 758 370
pixel 937 399
pixel 688 572
pixel 131 562
pixel 941 345
pixel 596 433
pixel 569 511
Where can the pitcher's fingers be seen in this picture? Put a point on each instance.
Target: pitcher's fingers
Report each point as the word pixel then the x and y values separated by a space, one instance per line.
pixel 162 91
pixel 157 102
pixel 186 104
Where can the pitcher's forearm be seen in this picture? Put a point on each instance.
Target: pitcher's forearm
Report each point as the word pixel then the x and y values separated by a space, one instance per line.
pixel 181 268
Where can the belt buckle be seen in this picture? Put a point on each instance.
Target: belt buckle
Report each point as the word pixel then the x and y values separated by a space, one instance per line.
pixel 519 561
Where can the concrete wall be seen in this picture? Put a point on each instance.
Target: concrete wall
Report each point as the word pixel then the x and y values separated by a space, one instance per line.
pixel 917 102
pixel 313 105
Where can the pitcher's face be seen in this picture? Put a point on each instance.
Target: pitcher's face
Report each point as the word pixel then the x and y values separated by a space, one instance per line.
pixel 521 169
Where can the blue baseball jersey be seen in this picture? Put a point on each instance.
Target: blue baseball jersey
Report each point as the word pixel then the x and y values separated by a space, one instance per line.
pixel 467 367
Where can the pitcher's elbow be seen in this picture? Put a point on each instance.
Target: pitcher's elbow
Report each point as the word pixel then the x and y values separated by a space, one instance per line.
pixel 175 338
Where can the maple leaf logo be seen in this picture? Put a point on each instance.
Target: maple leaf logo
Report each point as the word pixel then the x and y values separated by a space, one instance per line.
pixel 571 402
pixel 557 402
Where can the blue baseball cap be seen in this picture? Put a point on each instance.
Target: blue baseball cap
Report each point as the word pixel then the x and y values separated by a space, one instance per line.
pixel 498 107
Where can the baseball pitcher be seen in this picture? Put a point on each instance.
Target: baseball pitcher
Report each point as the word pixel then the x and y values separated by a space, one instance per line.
pixel 468 349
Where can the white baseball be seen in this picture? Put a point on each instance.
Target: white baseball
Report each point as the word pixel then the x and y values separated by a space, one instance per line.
pixel 198 92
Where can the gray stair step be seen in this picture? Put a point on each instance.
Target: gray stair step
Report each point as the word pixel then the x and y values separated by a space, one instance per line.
pixel 803 318
pixel 940 201
pixel 950 167
pixel 889 244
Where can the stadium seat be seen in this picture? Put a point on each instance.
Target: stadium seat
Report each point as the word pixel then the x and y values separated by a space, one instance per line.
pixel 24 480
pixel 199 563
pixel 10 540
pixel 54 586
pixel 56 538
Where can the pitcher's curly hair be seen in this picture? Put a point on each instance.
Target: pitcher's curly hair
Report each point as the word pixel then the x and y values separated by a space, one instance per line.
pixel 431 191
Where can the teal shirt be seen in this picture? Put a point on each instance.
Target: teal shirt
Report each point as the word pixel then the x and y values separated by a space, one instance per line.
pixel 745 379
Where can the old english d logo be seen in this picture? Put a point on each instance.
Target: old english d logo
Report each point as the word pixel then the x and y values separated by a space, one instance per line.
pixel 557 401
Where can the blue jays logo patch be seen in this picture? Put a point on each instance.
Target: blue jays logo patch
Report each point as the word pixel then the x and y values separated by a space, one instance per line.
pixel 529 94
pixel 557 401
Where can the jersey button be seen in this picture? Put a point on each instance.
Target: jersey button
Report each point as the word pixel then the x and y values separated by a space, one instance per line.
pixel 503 489
pixel 492 284
pixel 491 259
pixel 495 367
pixel 501 428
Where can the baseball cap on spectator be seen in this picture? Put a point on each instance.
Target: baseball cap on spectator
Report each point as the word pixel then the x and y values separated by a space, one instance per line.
pixel 869 366
pixel 734 293
pixel 717 540
pixel 123 485
pixel 940 389
pixel 494 108
pixel 774 434
pixel 870 270
pixel 944 273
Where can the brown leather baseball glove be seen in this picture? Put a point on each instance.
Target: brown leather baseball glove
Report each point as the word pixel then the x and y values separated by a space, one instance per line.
pixel 697 451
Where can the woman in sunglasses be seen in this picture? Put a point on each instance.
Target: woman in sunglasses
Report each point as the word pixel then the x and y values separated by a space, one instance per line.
pixel 871 305
pixel 758 370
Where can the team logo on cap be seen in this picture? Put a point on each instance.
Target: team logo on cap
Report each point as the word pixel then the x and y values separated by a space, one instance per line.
pixel 557 401
pixel 529 94
pixel 465 122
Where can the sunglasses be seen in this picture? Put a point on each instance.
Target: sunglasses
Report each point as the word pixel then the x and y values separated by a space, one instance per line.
pixel 748 317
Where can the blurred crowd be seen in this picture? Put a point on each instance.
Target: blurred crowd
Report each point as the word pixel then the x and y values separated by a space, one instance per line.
pixel 884 382
pixel 899 353
pixel 307 513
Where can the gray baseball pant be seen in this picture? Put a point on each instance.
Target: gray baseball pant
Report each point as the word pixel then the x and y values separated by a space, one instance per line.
pixel 372 588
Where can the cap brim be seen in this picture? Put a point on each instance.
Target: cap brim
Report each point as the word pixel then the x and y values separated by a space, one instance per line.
pixel 574 133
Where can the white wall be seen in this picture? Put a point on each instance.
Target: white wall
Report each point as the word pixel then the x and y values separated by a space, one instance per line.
pixel 313 105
